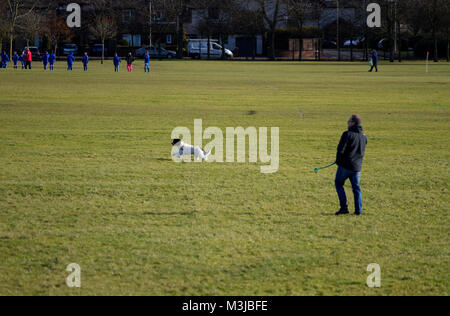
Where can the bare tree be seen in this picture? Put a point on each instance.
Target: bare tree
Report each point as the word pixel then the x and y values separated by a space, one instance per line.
pixel 103 16
pixel 182 10
pixel 446 23
pixel 224 24
pixel 248 21
pixel 57 30
pixel 179 9
pixel 433 18
pixel 30 26
pixel 388 27
pixel 205 8
pixel 3 27
pixel 436 19
pixel 163 17
pixel 401 16
pixel 16 11
pixel 216 19
pixel 150 20
pixel 366 32
pixel 317 13
pixel 298 10
pixel 356 22
pixel 271 10
pixel 103 28
pixel 338 31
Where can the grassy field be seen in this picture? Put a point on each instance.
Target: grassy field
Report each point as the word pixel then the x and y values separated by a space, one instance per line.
pixel 86 177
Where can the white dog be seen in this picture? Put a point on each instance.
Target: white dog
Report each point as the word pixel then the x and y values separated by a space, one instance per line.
pixel 188 150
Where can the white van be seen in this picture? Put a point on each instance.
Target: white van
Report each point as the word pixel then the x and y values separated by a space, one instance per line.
pixel 198 49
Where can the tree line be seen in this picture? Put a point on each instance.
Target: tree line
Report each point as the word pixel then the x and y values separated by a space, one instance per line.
pixel 418 21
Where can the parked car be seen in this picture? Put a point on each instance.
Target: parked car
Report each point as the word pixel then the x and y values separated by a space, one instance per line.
pixel 326 44
pixel 198 48
pixel 97 50
pixel 385 44
pixel 70 48
pixel 357 42
pixel 156 53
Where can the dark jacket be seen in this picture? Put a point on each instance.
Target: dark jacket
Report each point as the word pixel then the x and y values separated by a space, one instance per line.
pixel 70 59
pixel 45 59
pixel 116 60
pixel 375 57
pixel 351 149
pixel 130 60
pixel 52 58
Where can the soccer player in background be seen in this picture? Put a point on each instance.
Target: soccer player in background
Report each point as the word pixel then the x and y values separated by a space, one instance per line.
pixel 147 62
pixel 51 60
pixel 117 62
pixel 130 60
pixel 85 61
pixel 22 59
pixel 28 59
pixel 70 60
pixel 15 59
pixel 374 61
pixel 4 60
pixel 45 60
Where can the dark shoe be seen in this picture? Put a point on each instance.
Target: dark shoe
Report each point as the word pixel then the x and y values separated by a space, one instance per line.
pixel 342 212
pixel 358 213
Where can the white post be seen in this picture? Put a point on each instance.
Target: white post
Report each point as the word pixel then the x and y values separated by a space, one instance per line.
pixel 428 58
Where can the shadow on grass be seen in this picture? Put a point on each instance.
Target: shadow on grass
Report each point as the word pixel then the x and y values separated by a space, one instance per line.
pixel 171 213
pixel 163 159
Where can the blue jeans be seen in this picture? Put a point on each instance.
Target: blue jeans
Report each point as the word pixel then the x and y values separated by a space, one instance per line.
pixel 85 67
pixel 147 68
pixel 355 178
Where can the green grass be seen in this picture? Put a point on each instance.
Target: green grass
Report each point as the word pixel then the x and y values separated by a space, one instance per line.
pixel 86 177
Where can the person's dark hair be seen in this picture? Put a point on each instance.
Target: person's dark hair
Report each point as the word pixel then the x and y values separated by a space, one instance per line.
pixel 356 119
